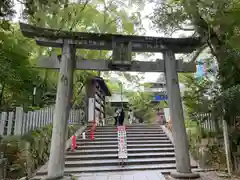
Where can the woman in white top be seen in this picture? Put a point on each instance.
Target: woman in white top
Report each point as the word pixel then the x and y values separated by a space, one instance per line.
pixel 130 116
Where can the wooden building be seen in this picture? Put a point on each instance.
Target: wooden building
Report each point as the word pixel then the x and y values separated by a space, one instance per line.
pixel 118 100
pixel 96 92
pixel 158 89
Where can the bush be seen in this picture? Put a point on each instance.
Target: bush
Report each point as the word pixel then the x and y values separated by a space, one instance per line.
pixel 194 141
pixel 235 135
pixel 208 134
pixel 213 153
pixel 26 153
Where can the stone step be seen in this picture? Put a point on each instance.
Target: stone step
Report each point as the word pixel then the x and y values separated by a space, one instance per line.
pixel 128 125
pixel 127 135
pixel 115 162
pixel 129 146
pixel 127 129
pixel 140 168
pixel 115 150
pixel 132 135
pixel 128 132
pixel 128 138
pixel 128 142
pixel 167 168
pixel 149 148
pixel 76 157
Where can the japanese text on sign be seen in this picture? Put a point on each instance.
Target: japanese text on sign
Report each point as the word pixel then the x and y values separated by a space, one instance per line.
pixel 122 142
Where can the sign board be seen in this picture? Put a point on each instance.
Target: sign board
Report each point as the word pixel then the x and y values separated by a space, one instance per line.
pixel 122 142
pixel 122 51
pixel 91 109
pixel 166 113
pixel 160 98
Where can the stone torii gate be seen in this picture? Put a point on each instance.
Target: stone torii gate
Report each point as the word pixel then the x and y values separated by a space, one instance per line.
pixel 122 46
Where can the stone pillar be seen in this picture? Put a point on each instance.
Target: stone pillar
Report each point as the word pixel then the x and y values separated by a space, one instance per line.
pixel 61 113
pixel 176 113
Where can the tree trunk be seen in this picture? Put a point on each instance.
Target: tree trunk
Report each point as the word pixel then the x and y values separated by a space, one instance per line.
pixel 1 94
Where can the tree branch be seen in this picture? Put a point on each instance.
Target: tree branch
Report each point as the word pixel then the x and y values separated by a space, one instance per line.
pixel 185 29
pixel 20 2
pixel 198 52
pixel 75 22
pixel 79 91
pixel 212 49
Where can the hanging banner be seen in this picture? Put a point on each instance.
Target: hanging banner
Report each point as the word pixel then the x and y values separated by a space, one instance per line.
pixel 122 142
pixel 201 69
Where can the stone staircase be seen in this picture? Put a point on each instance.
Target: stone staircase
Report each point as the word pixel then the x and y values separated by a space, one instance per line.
pixel 148 149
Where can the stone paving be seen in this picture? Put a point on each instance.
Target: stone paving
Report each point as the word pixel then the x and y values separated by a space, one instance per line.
pixel 212 175
pixel 133 175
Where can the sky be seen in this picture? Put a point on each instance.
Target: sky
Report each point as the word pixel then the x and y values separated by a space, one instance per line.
pixel 148 10
pixel 149 31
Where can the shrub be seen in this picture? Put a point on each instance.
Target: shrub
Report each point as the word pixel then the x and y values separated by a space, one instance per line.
pixel 26 153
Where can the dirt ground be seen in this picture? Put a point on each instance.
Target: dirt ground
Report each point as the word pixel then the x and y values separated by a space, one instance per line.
pixel 210 176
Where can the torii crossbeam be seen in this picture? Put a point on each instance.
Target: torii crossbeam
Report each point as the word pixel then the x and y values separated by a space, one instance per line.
pixel 97 41
pixel 53 62
pixel 122 47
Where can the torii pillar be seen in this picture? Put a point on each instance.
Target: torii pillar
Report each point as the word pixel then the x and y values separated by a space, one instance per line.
pixel 61 113
pixel 178 127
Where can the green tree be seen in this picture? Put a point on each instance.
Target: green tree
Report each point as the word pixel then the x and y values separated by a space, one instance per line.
pixel 61 15
pixel 216 22
pixel 84 17
pixel 17 76
pixel 141 104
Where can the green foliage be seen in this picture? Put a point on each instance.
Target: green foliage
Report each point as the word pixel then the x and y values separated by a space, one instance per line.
pixel 215 155
pixel 16 74
pixel 140 102
pixel 231 97
pixel 109 110
pixel 18 54
pixel 6 8
pixel 204 133
pixel 26 153
pixel 235 136
pixel 195 96
pixel 212 152
pixel 114 87
pixel 217 23
pixel 193 137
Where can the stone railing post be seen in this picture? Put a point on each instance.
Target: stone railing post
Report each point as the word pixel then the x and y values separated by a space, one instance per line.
pixel 18 121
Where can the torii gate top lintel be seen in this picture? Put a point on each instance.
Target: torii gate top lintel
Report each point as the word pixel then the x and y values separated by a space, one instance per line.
pixel 54 38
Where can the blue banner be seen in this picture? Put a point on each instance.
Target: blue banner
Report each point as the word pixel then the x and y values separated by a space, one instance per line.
pixel 160 98
pixel 201 69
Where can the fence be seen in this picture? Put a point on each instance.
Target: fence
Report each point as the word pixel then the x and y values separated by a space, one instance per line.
pixel 207 121
pixel 209 125
pixel 19 122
